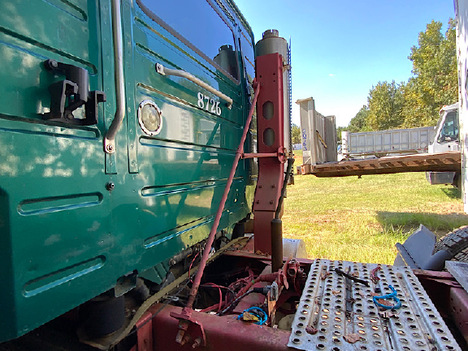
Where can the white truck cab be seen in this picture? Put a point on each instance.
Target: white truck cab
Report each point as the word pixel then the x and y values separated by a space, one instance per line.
pixel 446 138
pixel 447 131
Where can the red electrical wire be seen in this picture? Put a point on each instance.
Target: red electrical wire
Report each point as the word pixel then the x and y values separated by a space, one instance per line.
pixel 220 304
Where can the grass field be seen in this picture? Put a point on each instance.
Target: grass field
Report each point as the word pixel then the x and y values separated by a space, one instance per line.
pixel 361 219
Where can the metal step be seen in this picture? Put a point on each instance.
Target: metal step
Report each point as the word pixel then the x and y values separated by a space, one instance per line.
pixel 322 321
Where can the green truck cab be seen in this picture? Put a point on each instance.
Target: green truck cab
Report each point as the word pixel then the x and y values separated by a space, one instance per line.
pixel 111 167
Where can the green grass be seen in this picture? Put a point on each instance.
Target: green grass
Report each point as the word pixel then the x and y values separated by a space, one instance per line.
pixel 361 219
pixel 297 157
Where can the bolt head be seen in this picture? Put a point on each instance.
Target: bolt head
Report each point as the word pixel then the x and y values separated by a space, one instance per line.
pixel 197 342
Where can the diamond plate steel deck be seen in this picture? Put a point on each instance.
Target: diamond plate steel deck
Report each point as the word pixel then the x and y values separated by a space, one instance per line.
pixel 321 321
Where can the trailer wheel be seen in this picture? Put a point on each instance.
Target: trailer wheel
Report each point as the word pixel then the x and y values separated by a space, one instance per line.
pixel 455 242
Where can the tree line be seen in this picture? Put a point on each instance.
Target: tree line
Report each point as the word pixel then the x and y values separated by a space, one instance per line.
pixel 415 103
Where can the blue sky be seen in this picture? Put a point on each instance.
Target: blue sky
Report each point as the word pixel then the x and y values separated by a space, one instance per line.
pixel 341 48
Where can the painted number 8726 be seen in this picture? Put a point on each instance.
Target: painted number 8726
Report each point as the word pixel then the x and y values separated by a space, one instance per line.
pixel 208 104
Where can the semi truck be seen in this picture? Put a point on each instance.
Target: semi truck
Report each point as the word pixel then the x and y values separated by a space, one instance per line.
pixel 145 160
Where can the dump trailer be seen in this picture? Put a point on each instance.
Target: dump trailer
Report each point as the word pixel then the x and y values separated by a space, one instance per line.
pixel 318 134
pixel 141 211
pixel 386 142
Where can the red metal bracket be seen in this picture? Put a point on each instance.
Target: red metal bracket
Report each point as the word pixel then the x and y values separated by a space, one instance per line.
pixel 190 330
pixel 270 131
pixel 144 328
pixel 280 155
pixel 224 333
pixel 448 295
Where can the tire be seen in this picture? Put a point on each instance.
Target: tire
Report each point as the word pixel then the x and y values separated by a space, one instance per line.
pixel 455 242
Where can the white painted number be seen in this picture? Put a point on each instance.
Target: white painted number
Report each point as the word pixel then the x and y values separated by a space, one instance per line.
pixel 200 100
pixel 212 109
pixel 208 104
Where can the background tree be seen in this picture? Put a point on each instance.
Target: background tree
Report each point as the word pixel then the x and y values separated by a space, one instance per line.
pixel 359 122
pixel 338 133
pixel 296 134
pixel 435 81
pixel 385 103
pixel 416 112
pixel 416 103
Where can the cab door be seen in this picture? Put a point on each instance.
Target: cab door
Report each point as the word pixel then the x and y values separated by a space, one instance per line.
pixel 185 116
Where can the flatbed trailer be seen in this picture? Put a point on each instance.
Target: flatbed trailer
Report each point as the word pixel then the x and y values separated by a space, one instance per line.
pixel 441 162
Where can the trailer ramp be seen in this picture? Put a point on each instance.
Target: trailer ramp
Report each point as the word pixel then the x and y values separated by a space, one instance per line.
pixel 334 314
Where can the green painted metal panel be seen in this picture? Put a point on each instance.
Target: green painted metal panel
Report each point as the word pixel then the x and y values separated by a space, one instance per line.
pixel 64 238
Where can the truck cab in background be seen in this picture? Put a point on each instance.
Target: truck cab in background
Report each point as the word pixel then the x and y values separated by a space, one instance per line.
pixel 446 138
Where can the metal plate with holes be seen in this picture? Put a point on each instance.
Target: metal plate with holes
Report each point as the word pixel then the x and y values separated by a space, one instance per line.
pixel 323 323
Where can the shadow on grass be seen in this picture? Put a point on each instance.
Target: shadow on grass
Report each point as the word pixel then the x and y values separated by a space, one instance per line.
pixel 452 193
pixel 408 222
